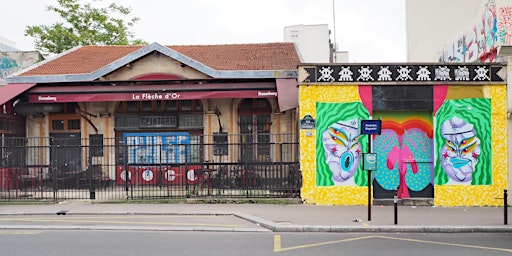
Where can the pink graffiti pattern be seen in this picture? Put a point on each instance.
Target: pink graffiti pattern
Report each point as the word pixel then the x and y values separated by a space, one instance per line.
pixel 394 156
pixel 505 25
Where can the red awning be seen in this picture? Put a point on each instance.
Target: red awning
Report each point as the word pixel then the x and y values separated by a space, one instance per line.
pixel 9 91
pixel 288 94
pixel 151 92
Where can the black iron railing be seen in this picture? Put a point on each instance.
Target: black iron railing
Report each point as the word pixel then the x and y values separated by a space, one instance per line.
pixel 142 167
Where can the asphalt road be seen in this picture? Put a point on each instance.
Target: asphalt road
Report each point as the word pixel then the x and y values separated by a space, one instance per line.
pixel 159 222
pixel 127 243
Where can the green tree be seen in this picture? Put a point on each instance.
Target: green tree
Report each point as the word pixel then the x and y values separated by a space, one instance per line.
pixel 84 25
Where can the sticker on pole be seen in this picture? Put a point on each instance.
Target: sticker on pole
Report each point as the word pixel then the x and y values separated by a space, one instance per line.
pixel 369 161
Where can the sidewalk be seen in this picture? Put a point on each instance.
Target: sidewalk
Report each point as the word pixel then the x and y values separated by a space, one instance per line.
pixel 304 218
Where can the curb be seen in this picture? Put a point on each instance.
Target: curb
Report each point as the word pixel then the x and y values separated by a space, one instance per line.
pixel 264 225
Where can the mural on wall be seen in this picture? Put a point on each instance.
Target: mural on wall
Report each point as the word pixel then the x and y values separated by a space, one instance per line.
pixel 7 66
pixel 404 155
pixel 463 142
pixel 505 25
pixel 339 144
pixel 11 62
pixel 481 42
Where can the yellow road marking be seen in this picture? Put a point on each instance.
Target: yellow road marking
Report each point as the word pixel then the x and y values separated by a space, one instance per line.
pixel 118 222
pixel 278 248
pixel 448 244
pixel 19 232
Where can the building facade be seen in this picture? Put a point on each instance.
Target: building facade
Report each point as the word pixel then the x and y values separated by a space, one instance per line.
pixel 154 99
pixel 440 133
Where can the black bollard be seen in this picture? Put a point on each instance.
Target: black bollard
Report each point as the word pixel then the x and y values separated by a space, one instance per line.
pixel 395 202
pixel 505 206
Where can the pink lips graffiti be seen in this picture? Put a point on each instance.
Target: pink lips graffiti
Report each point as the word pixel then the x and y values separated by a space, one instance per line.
pixel 401 148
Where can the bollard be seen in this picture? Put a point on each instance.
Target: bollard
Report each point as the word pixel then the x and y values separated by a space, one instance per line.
pixel 505 206
pixel 395 202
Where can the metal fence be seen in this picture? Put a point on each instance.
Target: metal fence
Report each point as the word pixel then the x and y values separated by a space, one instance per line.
pixel 152 165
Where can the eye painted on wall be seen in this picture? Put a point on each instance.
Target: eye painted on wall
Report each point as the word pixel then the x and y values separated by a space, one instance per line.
pixel 450 146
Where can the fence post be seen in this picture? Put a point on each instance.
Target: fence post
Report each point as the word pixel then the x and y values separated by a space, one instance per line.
pixel 505 207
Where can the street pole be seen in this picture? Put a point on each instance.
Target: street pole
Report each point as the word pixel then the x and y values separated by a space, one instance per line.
pixel 369 181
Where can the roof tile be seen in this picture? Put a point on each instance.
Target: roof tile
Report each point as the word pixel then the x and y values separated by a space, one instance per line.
pixel 264 56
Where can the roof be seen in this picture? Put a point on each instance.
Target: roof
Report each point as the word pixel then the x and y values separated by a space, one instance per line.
pixel 228 57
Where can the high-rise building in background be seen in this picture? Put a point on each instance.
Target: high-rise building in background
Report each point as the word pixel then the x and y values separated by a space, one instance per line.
pixel 431 24
pixel 314 43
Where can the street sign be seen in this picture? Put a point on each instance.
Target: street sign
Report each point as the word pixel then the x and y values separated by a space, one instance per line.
pixel 369 161
pixel 371 126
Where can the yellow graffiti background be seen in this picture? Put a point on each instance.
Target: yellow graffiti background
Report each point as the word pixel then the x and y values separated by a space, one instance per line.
pixel 456 195
pixel 333 195
pixel 448 195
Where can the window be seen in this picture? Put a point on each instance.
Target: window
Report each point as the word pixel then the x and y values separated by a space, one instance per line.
pixel 255 123
pixel 64 123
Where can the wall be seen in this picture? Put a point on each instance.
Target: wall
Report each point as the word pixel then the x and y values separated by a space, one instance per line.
pixel 11 62
pixel 312 41
pixel 426 36
pixel 155 64
pixel 479 42
pixel 443 141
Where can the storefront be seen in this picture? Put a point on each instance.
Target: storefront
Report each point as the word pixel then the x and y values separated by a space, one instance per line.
pixel 152 99
pixel 442 133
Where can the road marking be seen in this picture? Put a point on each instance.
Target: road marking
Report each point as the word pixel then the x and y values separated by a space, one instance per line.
pixel 279 248
pixel 119 222
pixel 19 232
pixel 448 244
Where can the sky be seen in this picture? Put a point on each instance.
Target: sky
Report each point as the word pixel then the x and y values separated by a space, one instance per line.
pixel 370 30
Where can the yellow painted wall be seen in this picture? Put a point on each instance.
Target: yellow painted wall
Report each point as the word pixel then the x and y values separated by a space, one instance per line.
pixel 457 195
pixel 446 195
pixel 334 195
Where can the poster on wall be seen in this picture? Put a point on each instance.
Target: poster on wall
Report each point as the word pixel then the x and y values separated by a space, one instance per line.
pixel 340 144
pixel 463 142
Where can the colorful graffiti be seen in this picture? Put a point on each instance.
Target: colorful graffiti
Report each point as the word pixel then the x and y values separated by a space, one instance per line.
pixel 505 25
pixel 479 43
pixel 7 66
pixel 463 142
pixel 339 143
pixel 404 153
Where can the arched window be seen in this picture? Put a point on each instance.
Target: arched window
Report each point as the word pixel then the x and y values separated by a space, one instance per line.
pixel 255 123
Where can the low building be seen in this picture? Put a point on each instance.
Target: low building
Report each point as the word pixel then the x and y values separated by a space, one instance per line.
pixel 438 133
pixel 119 107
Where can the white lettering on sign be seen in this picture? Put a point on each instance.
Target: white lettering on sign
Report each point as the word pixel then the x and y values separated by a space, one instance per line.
pixel 371 127
pixel 47 98
pixel 155 96
pixel 269 93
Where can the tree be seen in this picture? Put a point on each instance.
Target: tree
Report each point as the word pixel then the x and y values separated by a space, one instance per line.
pixel 84 25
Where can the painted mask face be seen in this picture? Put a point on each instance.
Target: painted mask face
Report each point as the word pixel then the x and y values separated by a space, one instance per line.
pixel 459 154
pixel 342 149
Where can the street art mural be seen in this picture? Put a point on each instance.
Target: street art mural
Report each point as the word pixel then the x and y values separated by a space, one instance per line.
pixel 404 155
pixel 341 143
pixel 7 66
pixel 492 29
pixel 463 142
pixel 440 141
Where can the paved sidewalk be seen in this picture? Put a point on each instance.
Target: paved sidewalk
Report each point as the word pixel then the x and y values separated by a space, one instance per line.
pixel 304 218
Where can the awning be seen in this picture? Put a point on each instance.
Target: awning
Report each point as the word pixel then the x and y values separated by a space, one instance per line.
pixel 10 91
pixel 151 92
pixel 288 94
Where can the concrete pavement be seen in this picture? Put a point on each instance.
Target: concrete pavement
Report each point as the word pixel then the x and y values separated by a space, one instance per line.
pixel 298 217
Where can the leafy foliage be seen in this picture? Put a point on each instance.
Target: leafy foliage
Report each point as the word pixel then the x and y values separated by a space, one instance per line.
pixel 84 25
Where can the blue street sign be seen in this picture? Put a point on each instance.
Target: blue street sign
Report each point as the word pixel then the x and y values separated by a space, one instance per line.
pixel 371 126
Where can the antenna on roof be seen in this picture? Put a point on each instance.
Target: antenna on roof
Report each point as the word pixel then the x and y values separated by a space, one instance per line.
pixel 334 33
